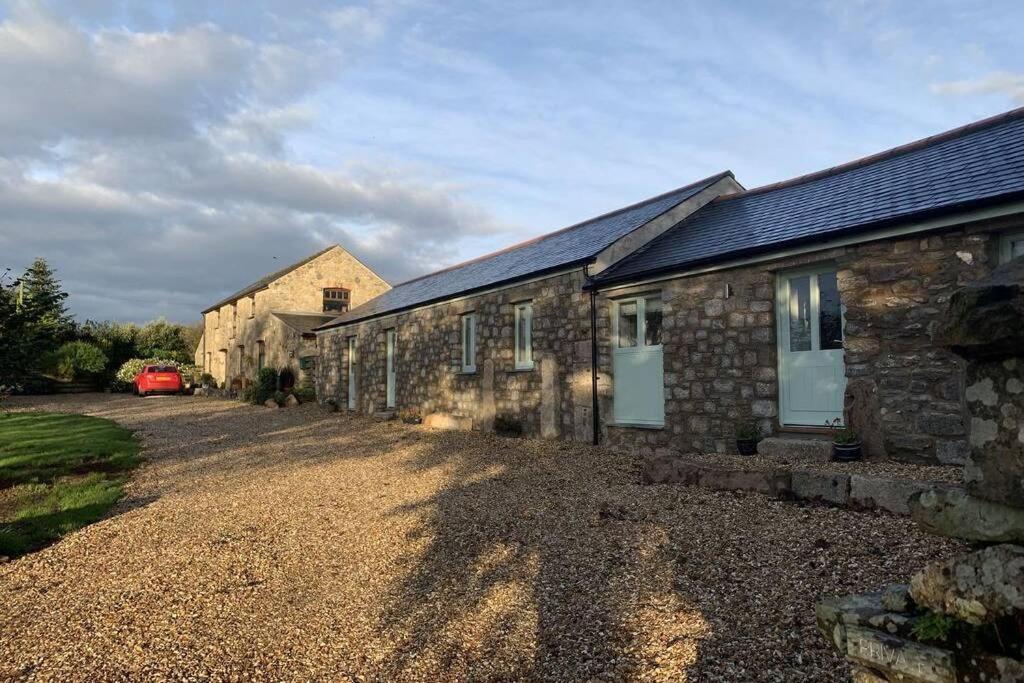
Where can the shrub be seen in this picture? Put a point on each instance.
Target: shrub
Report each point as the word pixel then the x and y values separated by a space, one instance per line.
pixel 279 397
pixel 130 368
pixel 78 358
pixel 749 431
pixel 305 394
pixel 933 627
pixel 266 385
pixel 207 379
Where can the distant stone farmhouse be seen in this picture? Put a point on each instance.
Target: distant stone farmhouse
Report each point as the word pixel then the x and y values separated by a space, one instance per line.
pixel 270 322
pixel 662 326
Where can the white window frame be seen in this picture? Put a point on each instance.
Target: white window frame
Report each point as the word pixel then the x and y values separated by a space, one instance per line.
pixel 1006 243
pixel 468 323
pixel 641 319
pixel 523 308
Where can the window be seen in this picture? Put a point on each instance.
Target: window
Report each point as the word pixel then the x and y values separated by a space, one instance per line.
pixel 638 322
pixel 234 319
pixel 261 355
pixel 524 335
pixel 469 342
pixel 1011 246
pixel 336 299
pixel 252 306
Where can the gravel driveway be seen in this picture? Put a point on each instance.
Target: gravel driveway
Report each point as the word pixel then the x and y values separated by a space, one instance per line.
pixel 296 545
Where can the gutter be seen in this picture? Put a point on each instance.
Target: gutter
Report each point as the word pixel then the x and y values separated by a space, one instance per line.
pixel 595 404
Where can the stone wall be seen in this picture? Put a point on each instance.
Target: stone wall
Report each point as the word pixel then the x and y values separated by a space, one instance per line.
pixel 904 392
pixel 232 332
pixel 429 378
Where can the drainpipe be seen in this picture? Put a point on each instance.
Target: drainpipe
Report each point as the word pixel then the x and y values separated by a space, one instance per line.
pixel 595 408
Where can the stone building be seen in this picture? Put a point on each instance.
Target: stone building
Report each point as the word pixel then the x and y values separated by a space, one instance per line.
pixel 270 323
pixel 663 326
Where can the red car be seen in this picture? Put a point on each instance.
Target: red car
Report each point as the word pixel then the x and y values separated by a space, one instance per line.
pixel 158 379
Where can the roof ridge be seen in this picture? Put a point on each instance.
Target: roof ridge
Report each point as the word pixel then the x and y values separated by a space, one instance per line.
pixel 540 238
pixel 890 153
pixel 262 282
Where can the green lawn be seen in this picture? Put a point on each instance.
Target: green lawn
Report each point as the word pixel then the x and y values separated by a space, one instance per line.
pixel 58 473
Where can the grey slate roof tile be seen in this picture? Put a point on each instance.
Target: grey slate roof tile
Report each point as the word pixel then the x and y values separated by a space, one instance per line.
pixel 969 166
pixel 575 244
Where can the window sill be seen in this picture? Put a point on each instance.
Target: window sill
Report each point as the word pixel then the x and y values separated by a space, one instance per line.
pixel 636 425
pixel 466 372
pixel 529 369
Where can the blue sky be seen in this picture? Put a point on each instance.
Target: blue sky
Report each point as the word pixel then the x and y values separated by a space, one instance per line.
pixel 419 134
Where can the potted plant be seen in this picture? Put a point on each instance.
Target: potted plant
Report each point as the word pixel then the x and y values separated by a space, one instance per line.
pixel 845 442
pixel 748 434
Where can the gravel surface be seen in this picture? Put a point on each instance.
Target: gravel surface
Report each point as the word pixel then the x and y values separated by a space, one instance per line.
pixel 260 544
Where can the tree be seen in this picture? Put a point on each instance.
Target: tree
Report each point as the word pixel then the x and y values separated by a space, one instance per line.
pixel 161 339
pixel 41 299
pixel 16 349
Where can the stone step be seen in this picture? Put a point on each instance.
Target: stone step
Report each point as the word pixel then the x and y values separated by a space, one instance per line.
pixel 810 447
pixel 832 487
pixel 384 415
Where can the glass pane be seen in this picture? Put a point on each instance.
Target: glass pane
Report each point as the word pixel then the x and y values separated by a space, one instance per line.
pixel 627 324
pixel 830 312
pixel 800 313
pixel 521 335
pixel 1017 248
pixel 652 321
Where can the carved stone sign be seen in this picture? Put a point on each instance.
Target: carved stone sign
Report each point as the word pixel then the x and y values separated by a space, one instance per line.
pixel 899 657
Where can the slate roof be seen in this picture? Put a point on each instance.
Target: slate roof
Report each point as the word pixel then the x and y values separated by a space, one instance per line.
pixel 965 168
pixel 573 245
pixel 265 281
pixel 303 323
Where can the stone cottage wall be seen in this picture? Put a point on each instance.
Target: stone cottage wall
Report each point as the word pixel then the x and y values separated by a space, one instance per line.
pixel 904 392
pixel 299 290
pixel 545 400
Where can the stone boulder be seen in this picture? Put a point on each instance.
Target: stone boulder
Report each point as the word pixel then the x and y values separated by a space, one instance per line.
pixel 978 588
pixel 956 514
pixel 291 401
pixel 448 421
pixel 271 403
pixel 986 318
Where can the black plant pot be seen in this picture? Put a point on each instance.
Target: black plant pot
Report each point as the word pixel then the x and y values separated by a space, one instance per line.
pixel 846 452
pixel 746 446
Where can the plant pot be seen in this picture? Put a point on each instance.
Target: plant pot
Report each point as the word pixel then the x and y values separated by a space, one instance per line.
pixel 746 446
pixel 846 452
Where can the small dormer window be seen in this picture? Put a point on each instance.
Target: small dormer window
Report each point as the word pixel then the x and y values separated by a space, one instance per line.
pixel 336 299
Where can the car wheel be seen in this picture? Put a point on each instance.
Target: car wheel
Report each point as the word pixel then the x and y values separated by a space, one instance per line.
pixel 142 393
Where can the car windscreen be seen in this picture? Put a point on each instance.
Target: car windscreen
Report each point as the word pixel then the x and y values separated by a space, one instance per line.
pixel 162 368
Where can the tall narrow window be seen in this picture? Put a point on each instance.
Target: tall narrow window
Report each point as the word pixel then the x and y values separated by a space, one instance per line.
pixel 469 342
pixel 336 299
pixel 261 355
pixel 252 306
pixel 1011 247
pixel 638 322
pixel 234 319
pixel 524 335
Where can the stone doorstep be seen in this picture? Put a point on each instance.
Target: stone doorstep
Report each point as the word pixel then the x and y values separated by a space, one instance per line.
pixel 806 447
pixel 855 491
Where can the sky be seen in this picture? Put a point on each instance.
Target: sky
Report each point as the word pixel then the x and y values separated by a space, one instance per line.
pixel 161 155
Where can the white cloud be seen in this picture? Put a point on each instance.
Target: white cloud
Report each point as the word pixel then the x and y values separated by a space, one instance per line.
pixel 153 169
pixel 997 82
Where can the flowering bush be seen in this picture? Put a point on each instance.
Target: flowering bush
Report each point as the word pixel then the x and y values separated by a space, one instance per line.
pixel 132 367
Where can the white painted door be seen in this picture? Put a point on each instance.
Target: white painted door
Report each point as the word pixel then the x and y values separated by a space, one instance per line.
pixel 812 378
pixel 637 361
pixel 351 373
pixel 391 368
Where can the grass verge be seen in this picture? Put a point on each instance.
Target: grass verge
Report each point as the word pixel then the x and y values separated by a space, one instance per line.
pixel 58 473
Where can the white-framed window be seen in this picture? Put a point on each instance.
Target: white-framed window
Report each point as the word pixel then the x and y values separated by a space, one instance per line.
pixel 469 342
pixel 638 321
pixel 1011 246
pixel 524 335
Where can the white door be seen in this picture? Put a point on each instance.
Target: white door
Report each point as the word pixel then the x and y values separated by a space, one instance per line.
pixel 351 373
pixel 391 368
pixel 812 378
pixel 637 361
